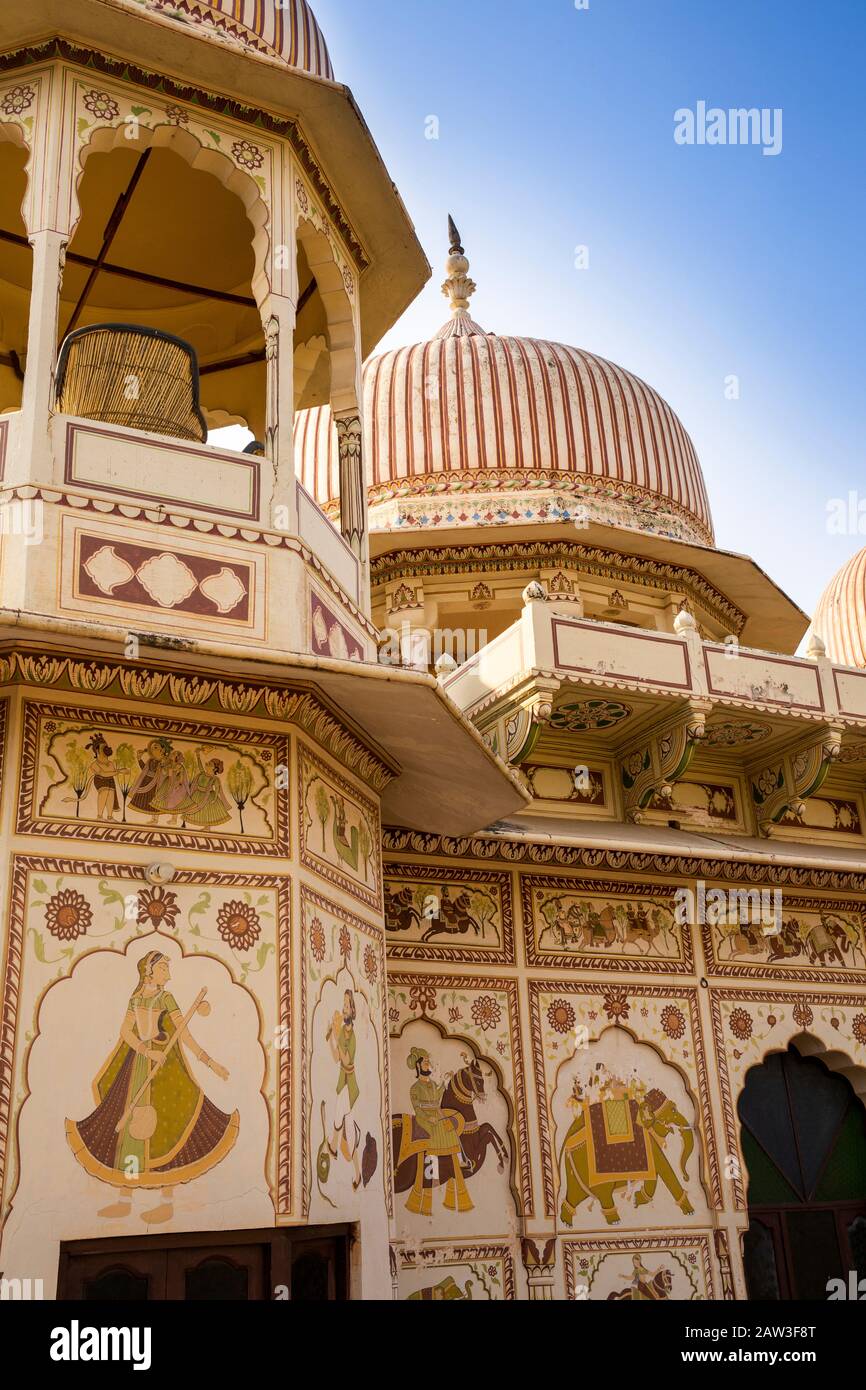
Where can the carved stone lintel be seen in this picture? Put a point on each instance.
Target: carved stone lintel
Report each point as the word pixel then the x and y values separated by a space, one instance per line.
pixel 781 788
pixel 353 509
pixel 651 770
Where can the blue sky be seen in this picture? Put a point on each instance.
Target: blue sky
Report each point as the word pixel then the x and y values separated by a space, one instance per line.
pixel 705 262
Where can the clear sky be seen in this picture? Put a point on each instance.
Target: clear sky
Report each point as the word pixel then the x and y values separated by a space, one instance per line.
pixel 556 130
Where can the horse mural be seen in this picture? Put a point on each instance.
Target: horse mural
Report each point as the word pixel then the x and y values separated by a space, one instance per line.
pixel 619 1139
pixel 645 1287
pixel 443 1142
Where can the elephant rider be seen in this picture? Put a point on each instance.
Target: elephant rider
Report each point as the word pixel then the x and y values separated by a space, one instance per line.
pixel 442 1129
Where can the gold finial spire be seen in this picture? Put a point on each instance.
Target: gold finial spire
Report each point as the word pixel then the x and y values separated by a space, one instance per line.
pixel 458 287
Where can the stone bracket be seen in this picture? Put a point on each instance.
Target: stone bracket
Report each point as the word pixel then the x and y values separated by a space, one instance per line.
pixel 650 769
pixel 781 787
pixel 523 726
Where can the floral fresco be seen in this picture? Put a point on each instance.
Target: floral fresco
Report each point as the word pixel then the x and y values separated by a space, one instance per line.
pixel 345 1079
pixel 162 999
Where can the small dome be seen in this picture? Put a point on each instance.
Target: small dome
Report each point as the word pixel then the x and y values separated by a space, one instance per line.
pixel 840 618
pixel 468 414
pixel 289 31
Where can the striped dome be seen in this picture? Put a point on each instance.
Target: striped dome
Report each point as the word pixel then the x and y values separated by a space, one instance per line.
pixel 289 32
pixel 471 412
pixel 840 618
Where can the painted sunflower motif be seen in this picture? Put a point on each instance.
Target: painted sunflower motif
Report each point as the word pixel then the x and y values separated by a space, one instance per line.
pixel 561 1016
pixel 68 915
pixel 101 105
pixel 673 1022
pixel 317 940
pixel 803 1014
pixel 239 926
pixel 740 1024
pixel 16 100
pixel 248 155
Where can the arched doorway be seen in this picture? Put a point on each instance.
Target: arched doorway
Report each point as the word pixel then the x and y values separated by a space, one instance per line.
pixel 804 1142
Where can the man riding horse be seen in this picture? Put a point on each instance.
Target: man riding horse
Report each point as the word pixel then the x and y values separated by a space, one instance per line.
pixel 442 1129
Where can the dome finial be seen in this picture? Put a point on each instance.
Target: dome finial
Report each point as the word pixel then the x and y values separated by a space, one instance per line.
pixel 454 237
pixel 458 287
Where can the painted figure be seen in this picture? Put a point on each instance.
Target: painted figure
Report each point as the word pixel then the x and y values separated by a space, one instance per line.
pixel 102 772
pixel 153 1126
pixel 205 805
pixel 345 1135
pixel 144 794
pixel 644 1286
pixel 442 1141
pixel 620 1139
pixel 173 788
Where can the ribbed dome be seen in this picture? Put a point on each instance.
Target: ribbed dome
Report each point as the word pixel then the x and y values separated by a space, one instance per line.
pixel 448 423
pixel 289 32
pixel 840 618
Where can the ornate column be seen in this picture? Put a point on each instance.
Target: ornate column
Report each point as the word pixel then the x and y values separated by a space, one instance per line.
pixel 278 502
pixel 353 493
pixel 37 397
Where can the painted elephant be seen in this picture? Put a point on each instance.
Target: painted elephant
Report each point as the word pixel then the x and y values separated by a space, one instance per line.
pixel 619 1140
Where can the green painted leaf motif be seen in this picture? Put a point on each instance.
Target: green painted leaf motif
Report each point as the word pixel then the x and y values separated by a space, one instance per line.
pixel 110 895
pixel 40 885
pixel 141 111
pixel 39 947
pixel 83 124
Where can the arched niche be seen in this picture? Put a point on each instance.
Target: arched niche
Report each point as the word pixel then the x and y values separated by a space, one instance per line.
pixel 189 230
pixel 16 263
pixel 634 1083
pixel 325 310
pixel 802 1134
pixel 487 1140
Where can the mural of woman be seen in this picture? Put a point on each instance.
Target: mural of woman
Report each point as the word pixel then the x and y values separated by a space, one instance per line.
pixel 205 806
pixel 150 778
pixel 173 787
pixel 152 1126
